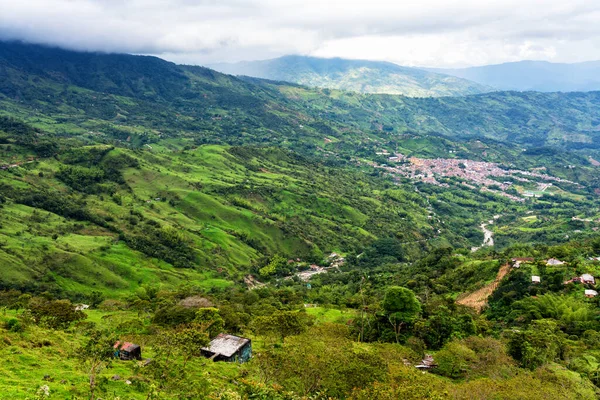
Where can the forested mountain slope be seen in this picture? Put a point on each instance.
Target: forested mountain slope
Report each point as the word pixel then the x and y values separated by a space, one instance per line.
pixel 334 229
pixel 355 76
pixel 215 107
pixel 211 211
pixel 155 119
pixel 541 76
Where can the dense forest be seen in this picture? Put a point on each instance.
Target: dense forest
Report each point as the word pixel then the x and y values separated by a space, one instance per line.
pixel 162 205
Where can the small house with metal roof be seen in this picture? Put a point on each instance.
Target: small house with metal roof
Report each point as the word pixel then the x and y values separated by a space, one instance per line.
pixel 427 363
pixel 127 351
pixel 228 348
pixel 588 278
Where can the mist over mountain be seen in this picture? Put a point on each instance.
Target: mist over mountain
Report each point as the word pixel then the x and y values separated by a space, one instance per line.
pixel 355 75
pixel 539 76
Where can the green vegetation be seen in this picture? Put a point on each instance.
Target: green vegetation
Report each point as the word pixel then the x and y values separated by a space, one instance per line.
pixel 179 203
pixel 546 348
pixel 211 212
pixel 355 76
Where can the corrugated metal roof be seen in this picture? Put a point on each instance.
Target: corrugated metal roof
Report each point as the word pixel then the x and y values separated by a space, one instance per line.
pixel 226 345
pixel 126 346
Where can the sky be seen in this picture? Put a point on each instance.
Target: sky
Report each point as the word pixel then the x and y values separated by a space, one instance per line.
pixel 432 33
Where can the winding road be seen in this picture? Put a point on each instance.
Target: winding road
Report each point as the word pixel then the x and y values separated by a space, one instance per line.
pixel 488 236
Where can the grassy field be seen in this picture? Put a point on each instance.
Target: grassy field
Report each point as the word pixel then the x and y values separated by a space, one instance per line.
pixel 331 315
pixel 41 356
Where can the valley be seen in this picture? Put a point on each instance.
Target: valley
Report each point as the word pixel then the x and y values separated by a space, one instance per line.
pixel 346 235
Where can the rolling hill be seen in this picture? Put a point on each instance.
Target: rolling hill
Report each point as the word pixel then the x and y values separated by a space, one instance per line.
pixel 246 169
pixel 354 75
pixel 162 205
pixel 146 94
pixel 541 76
pixel 114 219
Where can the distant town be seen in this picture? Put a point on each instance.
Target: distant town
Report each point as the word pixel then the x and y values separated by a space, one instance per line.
pixel 473 174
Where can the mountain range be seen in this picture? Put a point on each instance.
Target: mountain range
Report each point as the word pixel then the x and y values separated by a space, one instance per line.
pixel 541 76
pixel 350 236
pixel 110 134
pixel 385 77
pixel 355 75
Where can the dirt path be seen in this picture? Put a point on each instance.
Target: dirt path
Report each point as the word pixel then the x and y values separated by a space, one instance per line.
pixel 478 298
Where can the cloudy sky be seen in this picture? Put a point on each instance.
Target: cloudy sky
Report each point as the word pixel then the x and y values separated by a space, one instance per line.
pixel 441 33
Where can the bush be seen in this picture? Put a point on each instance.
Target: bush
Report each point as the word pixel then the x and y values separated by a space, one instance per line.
pixel 174 315
pixel 14 325
pixel 454 359
pixel 112 305
pixel 55 314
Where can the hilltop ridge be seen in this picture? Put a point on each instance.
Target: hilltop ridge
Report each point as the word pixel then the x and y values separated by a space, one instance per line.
pixel 355 75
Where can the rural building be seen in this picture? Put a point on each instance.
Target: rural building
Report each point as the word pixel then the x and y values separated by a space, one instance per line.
pixel 228 348
pixel 590 293
pixel 335 260
pixel 535 279
pixel 127 351
pixel 517 261
pixel 427 363
pixel 587 278
pixel 554 261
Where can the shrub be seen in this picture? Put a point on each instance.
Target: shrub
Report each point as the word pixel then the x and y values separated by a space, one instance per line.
pixel 173 315
pixel 55 314
pixel 112 305
pixel 454 359
pixel 14 325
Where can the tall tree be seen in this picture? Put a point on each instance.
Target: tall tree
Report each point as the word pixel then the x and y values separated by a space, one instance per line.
pixel 95 355
pixel 401 307
pixel 283 323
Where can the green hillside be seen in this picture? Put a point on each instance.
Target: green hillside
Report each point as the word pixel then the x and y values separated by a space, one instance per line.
pixel 349 236
pixel 107 135
pixel 354 76
pixel 211 211
pixel 121 95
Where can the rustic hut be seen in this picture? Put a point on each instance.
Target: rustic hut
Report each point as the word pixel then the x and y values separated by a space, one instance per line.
pixel 228 348
pixel 587 278
pixel 517 261
pixel 554 261
pixel 127 351
pixel 427 363
pixel 590 293
pixel 535 279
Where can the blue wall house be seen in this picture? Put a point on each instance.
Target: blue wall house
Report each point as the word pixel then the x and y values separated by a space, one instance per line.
pixel 127 351
pixel 228 348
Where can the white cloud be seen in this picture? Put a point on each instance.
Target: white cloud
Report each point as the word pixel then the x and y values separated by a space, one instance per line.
pixel 412 32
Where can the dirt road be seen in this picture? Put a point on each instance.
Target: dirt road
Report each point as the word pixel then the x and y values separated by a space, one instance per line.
pixel 478 298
